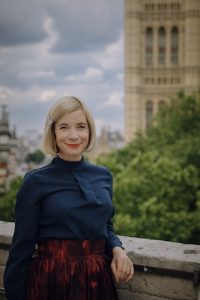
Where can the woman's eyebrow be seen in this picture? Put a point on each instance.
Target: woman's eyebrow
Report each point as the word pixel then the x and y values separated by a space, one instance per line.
pixel 82 123
pixel 79 123
pixel 62 124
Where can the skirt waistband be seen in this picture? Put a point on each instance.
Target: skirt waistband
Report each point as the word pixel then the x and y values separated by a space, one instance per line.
pixel 63 248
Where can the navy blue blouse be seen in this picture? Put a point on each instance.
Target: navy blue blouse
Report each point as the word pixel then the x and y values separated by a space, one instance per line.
pixel 63 200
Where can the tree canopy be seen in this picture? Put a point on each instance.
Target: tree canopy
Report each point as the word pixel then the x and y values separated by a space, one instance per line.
pixel 8 199
pixel 37 156
pixel 156 177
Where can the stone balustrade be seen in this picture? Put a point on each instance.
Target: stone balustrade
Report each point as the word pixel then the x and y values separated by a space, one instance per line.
pixel 163 270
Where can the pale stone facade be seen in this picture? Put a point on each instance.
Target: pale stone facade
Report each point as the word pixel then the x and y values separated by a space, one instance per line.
pixel 162 56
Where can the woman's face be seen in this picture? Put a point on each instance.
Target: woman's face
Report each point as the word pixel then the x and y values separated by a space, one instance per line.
pixel 72 135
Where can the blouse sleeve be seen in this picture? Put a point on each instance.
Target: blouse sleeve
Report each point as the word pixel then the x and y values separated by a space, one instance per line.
pixel 24 239
pixel 112 239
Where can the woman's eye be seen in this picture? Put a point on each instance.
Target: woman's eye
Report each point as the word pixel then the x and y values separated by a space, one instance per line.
pixel 82 126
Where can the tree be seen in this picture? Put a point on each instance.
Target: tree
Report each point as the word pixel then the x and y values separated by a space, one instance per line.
pixel 157 176
pixel 37 156
pixel 7 201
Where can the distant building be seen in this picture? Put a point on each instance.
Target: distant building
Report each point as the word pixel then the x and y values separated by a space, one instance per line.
pixel 162 56
pixel 13 149
pixel 8 147
pixel 107 142
pixel 29 142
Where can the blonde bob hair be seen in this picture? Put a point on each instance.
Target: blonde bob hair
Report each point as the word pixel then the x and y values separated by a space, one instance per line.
pixel 67 104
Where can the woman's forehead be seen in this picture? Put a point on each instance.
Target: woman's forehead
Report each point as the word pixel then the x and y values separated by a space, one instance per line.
pixel 76 116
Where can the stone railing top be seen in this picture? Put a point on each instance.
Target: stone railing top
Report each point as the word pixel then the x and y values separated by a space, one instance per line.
pixel 163 254
pixel 6 232
pixel 145 252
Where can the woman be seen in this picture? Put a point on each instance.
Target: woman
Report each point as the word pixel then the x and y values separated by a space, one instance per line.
pixel 65 208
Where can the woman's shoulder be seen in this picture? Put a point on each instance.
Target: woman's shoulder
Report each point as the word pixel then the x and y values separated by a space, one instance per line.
pixel 33 181
pixel 98 168
pixel 36 174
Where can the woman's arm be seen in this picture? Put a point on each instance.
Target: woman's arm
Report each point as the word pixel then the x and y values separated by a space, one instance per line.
pixel 23 244
pixel 121 265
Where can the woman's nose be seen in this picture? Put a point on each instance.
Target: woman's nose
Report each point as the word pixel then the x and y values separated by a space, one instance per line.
pixel 73 134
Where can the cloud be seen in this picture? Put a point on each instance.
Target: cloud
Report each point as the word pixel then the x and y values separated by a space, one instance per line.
pixel 5 94
pixel 115 100
pixel 18 98
pixel 33 74
pixel 47 95
pixel 90 75
pixel 21 23
pixel 79 25
pixel 53 48
pixel 120 76
pixel 112 56
pixel 35 102
pixel 85 25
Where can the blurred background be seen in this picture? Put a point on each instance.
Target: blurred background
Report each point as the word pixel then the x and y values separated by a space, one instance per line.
pixel 136 63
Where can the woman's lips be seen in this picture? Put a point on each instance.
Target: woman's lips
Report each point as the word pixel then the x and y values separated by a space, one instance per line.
pixel 73 145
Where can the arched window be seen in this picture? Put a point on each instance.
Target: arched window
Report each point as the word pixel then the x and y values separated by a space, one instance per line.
pixel 174 45
pixel 161 104
pixel 149 46
pixel 149 112
pixel 161 45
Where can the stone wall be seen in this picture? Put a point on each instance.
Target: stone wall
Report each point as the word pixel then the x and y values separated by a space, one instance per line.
pixel 151 80
pixel 163 270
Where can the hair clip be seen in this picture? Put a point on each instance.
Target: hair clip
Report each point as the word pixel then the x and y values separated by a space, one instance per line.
pixel 49 120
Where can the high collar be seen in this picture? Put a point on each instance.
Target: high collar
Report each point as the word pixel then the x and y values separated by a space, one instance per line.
pixel 67 163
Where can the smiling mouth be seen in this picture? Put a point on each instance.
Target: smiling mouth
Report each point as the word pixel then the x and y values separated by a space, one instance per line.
pixel 73 145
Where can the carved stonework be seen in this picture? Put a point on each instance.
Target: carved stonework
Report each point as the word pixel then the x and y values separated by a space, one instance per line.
pixel 8 147
pixel 162 55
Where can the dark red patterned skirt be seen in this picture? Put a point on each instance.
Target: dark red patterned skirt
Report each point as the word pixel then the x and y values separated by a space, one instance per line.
pixel 71 270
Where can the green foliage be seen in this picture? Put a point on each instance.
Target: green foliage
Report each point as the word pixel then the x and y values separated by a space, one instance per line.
pixel 7 200
pixel 157 176
pixel 37 156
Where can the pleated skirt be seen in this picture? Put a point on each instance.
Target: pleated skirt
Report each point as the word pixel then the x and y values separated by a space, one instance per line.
pixel 71 270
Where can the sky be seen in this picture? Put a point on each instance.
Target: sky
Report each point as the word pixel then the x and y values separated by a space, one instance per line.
pixel 54 48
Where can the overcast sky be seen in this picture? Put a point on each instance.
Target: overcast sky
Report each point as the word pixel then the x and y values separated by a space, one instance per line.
pixel 53 48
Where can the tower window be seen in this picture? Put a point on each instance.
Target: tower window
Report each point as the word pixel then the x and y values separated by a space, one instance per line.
pixel 174 45
pixel 149 112
pixel 149 46
pixel 161 104
pixel 161 45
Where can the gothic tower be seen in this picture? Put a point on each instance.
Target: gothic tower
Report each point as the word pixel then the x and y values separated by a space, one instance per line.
pixel 5 134
pixel 162 56
pixel 8 147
